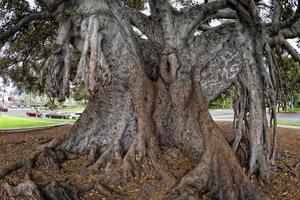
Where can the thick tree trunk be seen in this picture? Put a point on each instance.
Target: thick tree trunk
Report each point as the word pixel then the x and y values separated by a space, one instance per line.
pixel 144 99
pixel 144 108
pixel 113 104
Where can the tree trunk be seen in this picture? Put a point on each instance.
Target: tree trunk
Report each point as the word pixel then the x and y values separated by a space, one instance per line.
pixel 144 99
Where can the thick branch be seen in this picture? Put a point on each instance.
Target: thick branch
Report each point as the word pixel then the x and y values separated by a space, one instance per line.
pixel 138 19
pixel 205 9
pixel 288 47
pixel 275 28
pixel 243 9
pixel 276 12
pixel 198 13
pixel 226 14
pixel 221 14
pixel 291 32
pixel 144 23
pixel 23 22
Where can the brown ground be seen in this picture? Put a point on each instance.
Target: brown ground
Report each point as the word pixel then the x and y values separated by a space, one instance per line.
pixel 284 183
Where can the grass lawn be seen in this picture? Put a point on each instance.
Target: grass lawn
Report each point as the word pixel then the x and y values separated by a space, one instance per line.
pixel 10 122
pixel 289 123
pixel 46 119
pixel 297 110
pixel 71 108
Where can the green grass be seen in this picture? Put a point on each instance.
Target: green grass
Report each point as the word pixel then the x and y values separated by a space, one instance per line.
pixel 71 108
pixel 46 119
pixel 289 123
pixel 10 122
pixel 290 110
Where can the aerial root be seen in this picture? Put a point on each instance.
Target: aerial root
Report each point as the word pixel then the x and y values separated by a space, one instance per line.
pixel 56 71
pixel 92 62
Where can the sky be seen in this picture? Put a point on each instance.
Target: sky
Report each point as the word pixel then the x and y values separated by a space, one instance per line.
pixel 31 2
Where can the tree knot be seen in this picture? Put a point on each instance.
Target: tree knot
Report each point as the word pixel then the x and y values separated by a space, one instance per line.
pixel 169 65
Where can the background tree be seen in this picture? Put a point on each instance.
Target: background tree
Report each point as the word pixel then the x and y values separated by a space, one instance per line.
pixel 290 78
pixel 147 95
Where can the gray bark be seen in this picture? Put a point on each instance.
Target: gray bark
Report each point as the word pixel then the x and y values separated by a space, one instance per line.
pixel 148 94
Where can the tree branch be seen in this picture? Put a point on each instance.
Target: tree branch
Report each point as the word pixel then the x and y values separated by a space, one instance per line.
pixel 198 13
pixel 275 28
pixel 205 9
pixel 243 10
pixel 189 20
pixel 23 22
pixel 223 14
pixel 276 11
pixel 291 32
pixel 288 47
pixel 144 23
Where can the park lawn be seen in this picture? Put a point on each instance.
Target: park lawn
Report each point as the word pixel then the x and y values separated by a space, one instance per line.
pixel 10 122
pixel 46 119
pixel 289 123
pixel 71 108
pixel 297 110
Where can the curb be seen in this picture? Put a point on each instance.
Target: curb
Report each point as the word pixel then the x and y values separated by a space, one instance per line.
pixel 9 130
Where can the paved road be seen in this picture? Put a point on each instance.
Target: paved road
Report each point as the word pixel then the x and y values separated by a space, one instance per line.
pixel 227 114
pixel 16 112
pixel 13 112
pixel 218 114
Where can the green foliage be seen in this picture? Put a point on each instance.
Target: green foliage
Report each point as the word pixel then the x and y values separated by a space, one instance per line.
pixel 79 94
pixel 287 8
pixel 70 11
pixel 289 71
pixel 224 101
pixel 138 4
pixel 25 53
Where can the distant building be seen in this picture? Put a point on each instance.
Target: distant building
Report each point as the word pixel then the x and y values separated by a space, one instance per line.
pixel 7 92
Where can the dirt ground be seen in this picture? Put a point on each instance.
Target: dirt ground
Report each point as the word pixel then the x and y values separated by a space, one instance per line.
pixel 284 184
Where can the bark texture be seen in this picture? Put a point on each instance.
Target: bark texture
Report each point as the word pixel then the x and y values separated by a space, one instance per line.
pixel 150 94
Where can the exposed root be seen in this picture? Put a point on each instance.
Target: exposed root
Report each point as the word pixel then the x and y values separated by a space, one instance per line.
pixel 218 172
pixel 93 154
pixel 27 189
pixel 143 153
pixel 297 169
pixel 60 191
pixel 50 159
pixel 54 191
pixel 18 165
pixel 214 176
pixel 109 193
pixel 113 155
pixel 29 163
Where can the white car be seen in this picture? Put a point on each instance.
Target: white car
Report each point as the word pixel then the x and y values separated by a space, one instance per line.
pixel 74 116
